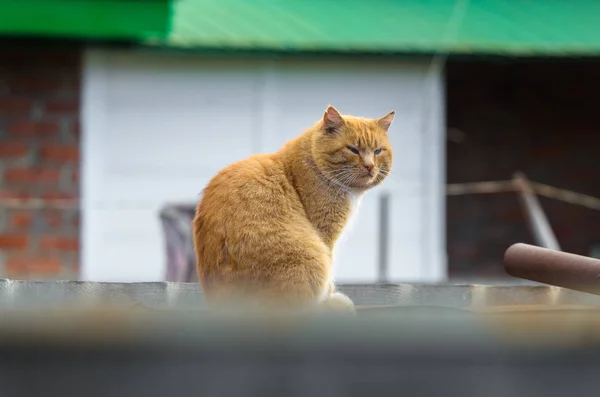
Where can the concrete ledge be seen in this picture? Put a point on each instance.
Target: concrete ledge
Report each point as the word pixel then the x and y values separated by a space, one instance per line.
pixel 188 296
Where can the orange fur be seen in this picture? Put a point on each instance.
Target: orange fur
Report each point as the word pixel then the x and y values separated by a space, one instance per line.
pixel 266 227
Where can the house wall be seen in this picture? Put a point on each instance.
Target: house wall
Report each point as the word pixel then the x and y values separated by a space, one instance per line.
pixel 541 118
pixel 39 154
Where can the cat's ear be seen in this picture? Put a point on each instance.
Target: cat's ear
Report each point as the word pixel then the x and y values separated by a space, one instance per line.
pixel 386 120
pixel 332 120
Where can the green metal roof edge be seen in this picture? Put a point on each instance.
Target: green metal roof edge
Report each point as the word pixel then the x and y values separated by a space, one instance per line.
pixel 136 20
pixel 459 49
pixel 497 27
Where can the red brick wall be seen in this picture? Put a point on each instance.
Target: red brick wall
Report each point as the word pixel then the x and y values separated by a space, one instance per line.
pixel 538 117
pixel 39 160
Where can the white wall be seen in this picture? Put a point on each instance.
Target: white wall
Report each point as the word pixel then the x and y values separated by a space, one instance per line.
pixel 156 127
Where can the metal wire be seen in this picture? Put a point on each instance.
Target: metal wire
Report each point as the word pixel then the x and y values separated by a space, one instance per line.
pixel 491 187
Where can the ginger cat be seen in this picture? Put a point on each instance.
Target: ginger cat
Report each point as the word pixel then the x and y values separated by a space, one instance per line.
pixel 266 227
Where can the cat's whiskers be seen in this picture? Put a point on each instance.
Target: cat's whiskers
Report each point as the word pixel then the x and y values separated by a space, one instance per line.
pixel 386 173
pixel 351 178
pixel 347 176
pixel 356 176
pixel 343 177
pixel 338 177
pixel 347 179
pixel 327 179
pixel 330 184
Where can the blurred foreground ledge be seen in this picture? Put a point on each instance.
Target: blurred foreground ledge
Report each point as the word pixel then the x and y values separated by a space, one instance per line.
pixel 154 339
pixel 126 311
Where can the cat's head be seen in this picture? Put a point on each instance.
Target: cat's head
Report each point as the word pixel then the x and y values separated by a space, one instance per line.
pixel 354 152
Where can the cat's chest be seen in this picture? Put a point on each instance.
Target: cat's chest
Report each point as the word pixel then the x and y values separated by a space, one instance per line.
pixel 335 214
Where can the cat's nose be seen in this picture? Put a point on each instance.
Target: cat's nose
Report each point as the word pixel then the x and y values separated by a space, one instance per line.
pixel 369 167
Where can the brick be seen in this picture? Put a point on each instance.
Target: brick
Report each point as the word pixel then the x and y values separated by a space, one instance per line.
pixel 36 85
pixel 32 129
pixel 547 154
pixel 61 107
pixel 61 153
pixel 48 81
pixel 20 264
pixel 14 195
pixel 59 60
pixel 72 83
pixel 58 196
pixel 13 241
pixel 15 106
pixel 9 149
pixel 464 250
pixel 40 60
pixel 32 175
pixel 53 218
pixel 76 129
pixel 75 177
pixel 22 220
pixel 60 243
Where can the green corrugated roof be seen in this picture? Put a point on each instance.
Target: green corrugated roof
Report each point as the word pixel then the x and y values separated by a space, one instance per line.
pixel 518 27
pixel 504 27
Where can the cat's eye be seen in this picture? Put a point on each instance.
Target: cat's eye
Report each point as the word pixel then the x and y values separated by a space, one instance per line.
pixel 377 151
pixel 353 149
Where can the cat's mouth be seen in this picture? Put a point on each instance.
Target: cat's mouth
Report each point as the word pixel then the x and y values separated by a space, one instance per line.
pixel 357 179
pixel 368 176
pixel 365 180
pixel 373 178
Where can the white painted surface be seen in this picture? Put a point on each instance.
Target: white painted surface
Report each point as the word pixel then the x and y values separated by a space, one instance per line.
pixel 156 127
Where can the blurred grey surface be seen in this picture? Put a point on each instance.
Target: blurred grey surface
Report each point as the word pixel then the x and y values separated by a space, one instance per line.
pixel 415 352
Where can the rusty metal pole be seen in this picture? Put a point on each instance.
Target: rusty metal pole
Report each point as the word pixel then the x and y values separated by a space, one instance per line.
pixel 561 269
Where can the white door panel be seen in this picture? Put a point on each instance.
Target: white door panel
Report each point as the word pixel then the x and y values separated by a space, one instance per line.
pixel 182 142
pixel 356 254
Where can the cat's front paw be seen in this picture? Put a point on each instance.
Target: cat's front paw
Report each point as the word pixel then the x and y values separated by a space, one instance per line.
pixel 340 303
